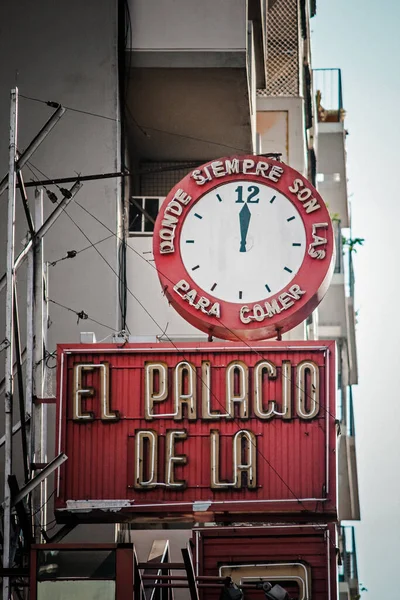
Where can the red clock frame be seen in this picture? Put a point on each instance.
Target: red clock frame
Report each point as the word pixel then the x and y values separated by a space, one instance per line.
pixel 267 317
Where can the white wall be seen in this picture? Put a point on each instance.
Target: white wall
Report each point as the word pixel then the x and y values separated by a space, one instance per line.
pixel 64 52
pixel 67 52
pixel 188 24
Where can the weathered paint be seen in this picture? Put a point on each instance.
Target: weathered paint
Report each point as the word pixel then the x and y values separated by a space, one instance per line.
pixel 295 458
pixel 308 550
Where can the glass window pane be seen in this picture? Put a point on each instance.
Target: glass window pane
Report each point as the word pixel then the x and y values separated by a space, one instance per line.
pixel 78 590
pixel 135 216
pixel 151 207
pixel 60 564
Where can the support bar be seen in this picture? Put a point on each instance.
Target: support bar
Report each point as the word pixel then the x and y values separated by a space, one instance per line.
pixel 43 229
pixel 35 143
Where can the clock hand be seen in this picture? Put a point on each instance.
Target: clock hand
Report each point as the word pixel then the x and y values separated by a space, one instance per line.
pixel 244 220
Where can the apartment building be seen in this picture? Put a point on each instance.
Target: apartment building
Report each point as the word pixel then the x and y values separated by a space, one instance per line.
pixel 153 89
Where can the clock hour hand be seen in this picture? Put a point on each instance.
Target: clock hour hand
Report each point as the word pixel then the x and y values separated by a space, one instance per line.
pixel 244 220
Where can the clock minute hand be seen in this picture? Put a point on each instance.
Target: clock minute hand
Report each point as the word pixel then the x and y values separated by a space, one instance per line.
pixel 244 220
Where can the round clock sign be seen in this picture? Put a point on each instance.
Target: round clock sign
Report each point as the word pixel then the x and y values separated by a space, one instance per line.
pixel 244 248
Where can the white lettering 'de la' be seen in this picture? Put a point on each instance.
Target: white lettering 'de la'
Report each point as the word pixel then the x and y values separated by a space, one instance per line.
pixel 244 460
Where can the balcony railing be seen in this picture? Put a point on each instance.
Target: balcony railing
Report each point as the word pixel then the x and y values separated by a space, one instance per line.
pixel 328 86
pixel 348 570
pixel 339 245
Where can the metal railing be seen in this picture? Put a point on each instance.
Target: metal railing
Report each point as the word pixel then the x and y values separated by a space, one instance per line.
pixel 337 230
pixel 348 570
pixel 328 86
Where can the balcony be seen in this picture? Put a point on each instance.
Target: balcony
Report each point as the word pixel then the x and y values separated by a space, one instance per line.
pixel 336 313
pixel 285 108
pixel 192 70
pixel 331 159
pixel 348 572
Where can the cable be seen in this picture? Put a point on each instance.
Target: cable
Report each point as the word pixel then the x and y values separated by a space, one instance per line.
pixel 57 104
pixel 82 315
pixel 223 324
pixel 74 253
pixel 145 128
pixel 99 253
pixel 235 419
pixel 44 503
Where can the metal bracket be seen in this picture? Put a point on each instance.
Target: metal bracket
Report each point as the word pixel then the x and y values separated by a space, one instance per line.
pixel 4 344
pixel 27 489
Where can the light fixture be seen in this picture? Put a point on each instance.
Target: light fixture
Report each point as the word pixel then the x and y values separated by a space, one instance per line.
pixel 231 591
pixel 274 592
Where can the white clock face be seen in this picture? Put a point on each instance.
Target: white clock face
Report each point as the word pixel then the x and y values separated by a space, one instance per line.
pixel 243 242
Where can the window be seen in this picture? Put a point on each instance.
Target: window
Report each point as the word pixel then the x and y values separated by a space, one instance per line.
pixel 142 214
pixel 328 177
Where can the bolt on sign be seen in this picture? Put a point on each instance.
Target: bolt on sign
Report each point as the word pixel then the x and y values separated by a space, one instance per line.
pixel 244 248
pixel 198 432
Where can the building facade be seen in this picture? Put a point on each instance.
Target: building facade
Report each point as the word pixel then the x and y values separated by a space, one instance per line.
pixel 153 89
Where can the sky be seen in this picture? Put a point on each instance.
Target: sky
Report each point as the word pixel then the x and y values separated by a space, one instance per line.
pixel 361 37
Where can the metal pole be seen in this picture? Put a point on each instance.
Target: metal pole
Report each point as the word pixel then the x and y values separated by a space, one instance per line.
pixel 37 437
pixel 35 143
pixel 44 407
pixel 9 374
pixel 29 352
pixel 43 230
pixel 20 380
pixel 35 481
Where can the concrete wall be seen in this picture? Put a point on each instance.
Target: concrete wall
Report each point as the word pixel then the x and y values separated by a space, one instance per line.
pixel 188 24
pixel 65 52
pixel 280 124
pixel 331 163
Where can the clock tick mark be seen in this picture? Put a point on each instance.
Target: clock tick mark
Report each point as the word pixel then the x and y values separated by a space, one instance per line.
pixel 290 219
pixel 272 199
pixel 219 197
pixel 190 241
pixel 296 244
pixel 267 287
pixel 196 267
pixel 214 285
pixel 240 295
pixel 288 270
pixel 198 216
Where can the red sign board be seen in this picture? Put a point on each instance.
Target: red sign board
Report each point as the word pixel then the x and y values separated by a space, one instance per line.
pixel 199 432
pixel 244 248
pixel 301 558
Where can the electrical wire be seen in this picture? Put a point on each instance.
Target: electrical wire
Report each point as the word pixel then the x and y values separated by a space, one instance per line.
pixel 221 322
pixel 143 128
pixel 82 315
pixel 76 252
pixel 91 245
pixel 56 104
pixel 44 503
pixel 144 131
pixel 235 419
